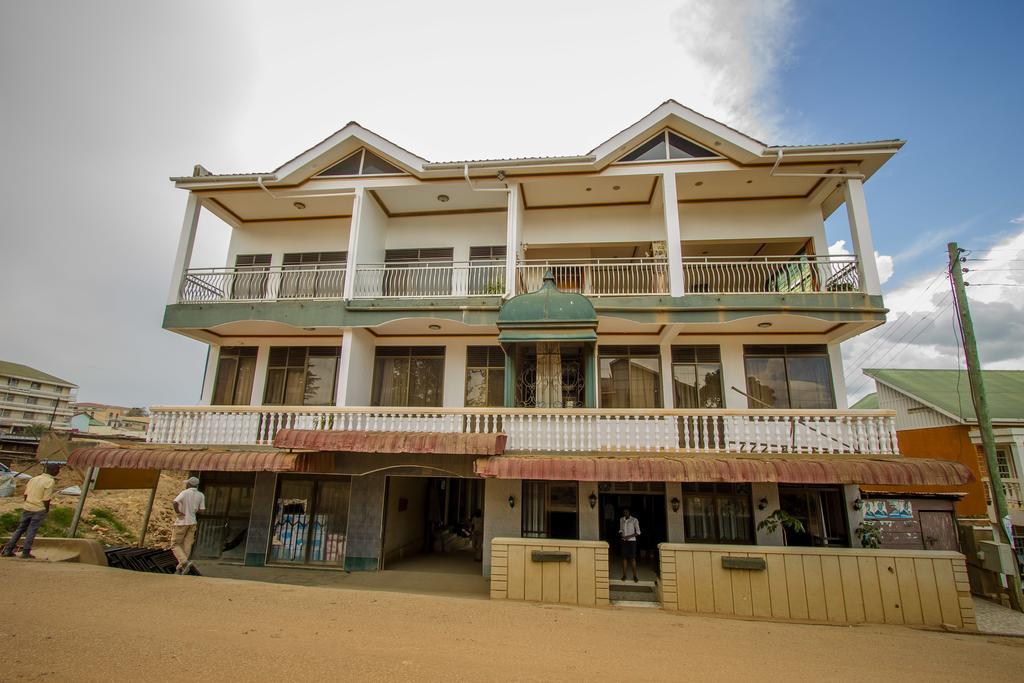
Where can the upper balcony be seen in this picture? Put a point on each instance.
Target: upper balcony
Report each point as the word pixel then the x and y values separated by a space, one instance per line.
pixel 260 283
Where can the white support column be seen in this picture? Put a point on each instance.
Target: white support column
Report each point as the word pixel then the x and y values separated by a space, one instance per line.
pixel 734 373
pixel 186 241
pixel 673 236
pixel 835 360
pixel 668 397
pixel 769 493
pixel 210 378
pixel 514 218
pixel 674 520
pixel 860 233
pixel 355 368
pixel 851 493
pixel 454 395
pixel 259 380
pixel 589 517
pixel 353 247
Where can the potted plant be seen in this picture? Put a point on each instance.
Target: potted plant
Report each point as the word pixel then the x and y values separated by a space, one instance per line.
pixel 780 517
pixel 870 535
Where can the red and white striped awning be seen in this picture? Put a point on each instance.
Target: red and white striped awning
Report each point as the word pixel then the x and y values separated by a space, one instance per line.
pixel 194 460
pixel 792 470
pixel 452 443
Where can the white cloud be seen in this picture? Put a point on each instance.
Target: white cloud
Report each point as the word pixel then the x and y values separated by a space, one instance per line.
pixel 1019 220
pixel 885 263
pixel 919 332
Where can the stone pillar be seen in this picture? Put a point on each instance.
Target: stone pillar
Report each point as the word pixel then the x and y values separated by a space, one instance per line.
pixel 261 516
pixel 673 237
pixel 674 527
pixel 770 494
pixel 186 241
pixel 500 520
pixel 860 234
pixel 365 523
pixel 589 517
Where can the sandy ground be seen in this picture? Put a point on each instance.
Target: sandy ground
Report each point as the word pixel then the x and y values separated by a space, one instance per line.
pixel 128 505
pixel 93 623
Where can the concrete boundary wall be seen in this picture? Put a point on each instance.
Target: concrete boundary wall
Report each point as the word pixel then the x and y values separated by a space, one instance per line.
pixel 831 585
pixel 583 580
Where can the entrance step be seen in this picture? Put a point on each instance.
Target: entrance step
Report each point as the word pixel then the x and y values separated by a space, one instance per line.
pixel 633 593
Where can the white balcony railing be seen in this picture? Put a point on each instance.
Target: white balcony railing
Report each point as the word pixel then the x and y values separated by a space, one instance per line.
pixel 554 430
pixel 261 283
pixel 596 277
pixel 769 274
pixel 430 279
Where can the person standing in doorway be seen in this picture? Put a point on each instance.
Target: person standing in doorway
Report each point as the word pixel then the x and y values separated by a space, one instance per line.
pixel 186 505
pixel 38 492
pixel 629 530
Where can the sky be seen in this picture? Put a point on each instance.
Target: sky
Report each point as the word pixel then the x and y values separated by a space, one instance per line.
pixel 103 101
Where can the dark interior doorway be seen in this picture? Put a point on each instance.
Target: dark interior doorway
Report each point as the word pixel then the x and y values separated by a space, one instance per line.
pixel 430 517
pixel 648 506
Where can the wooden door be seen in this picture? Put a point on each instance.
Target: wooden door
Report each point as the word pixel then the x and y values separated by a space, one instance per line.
pixel 938 531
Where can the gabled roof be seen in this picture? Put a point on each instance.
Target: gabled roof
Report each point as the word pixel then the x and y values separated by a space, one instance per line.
pixel 702 129
pixel 949 392
pixel 25 372
pixel 869 402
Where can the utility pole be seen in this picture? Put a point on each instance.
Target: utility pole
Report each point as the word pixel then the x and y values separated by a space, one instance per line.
pixel 988 440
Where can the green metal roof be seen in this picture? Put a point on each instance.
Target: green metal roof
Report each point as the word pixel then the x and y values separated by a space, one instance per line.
pixel 950 392
pixel 869 402
pixel 23 371
pixel 548 307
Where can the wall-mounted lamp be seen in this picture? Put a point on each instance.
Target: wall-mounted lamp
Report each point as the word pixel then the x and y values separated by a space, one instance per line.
pixel 762 504
pixel 675 504
pixel 593 500
pixel 511 501
pixel 858 504
pixel 299 205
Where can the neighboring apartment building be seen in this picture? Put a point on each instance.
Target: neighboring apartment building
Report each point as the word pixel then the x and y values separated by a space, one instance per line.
pixel 655 324
pixel 935 419
pixel 130 420
pixel 31 397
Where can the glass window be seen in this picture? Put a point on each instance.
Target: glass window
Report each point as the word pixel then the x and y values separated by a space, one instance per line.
pixel 12 382
pixel 36 385
pixel 301 376
pixel 822 512
pixel 788 377
pixel 362 162
pixel 1007 468
pixel 316 274
pixel 550 509
pixel 310 521
pixel 408 376
pixel 697 377
pixel 630 376
pixel 666 146
pixel 717 513
pixel 236 370
pixel 485 377
pixel 222 528
pixel 251 276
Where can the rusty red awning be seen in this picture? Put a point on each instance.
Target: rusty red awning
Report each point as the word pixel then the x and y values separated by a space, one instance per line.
pixel 455 443
pixel 197 460
pixel 834 470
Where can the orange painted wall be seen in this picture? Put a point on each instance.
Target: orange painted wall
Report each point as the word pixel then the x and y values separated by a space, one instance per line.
pixel 946 443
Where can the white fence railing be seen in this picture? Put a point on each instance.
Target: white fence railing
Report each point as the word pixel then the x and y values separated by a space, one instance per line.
pixel 554 430
pixel 769 274
pixel 430 279
pixel 261 283
pixel 596 277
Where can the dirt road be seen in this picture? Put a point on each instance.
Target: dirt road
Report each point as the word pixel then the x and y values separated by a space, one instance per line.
pixel 92 623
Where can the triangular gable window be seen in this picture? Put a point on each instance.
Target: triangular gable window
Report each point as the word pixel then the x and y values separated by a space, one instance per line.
pixel 363 162
pixel 667 146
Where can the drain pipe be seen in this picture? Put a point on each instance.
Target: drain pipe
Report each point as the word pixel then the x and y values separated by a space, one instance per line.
pixel 469 181
pixel 841 174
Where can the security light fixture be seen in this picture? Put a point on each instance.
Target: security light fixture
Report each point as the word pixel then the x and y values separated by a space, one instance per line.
pixel 511 502
pixel 299 205
pixel 501 176
pixel 675 504
pixel 589 189
pixel 699 183
pixel 443 198
pixel 434 327
pixel 858 504
pixel 764 325
pixel 616 187
pixel 309 329
pixel 593 500
pixel 762 504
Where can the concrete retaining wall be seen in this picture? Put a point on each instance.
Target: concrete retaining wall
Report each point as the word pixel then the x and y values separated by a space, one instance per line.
pixel 834 585
pixel 515 575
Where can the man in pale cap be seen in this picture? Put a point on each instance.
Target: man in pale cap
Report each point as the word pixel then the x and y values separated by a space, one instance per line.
pixel 186 505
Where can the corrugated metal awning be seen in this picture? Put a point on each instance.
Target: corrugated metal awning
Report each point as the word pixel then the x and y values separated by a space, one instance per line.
pixel 191 460
pixel 454 443
pixel 834 470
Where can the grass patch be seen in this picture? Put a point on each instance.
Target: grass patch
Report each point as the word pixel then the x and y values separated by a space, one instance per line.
pixel 57 522
pixel 107 518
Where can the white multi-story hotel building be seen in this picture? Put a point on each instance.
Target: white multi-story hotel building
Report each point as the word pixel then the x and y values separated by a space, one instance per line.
pixel 30 397
pixel 655 324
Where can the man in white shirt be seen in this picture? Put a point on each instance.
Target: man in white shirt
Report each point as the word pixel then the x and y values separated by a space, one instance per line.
pixel 186 505
pixel 629 530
